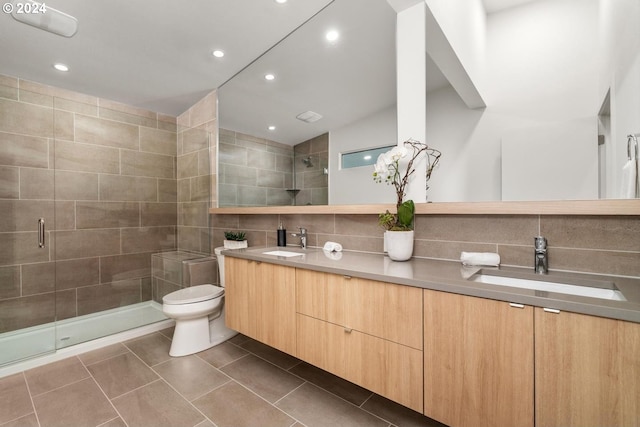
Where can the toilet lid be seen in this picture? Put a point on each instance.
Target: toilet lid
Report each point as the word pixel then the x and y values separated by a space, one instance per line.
pixel 193 294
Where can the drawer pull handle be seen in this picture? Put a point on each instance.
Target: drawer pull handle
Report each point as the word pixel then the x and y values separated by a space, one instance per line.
pixel 347 277
pixel 516 305
pixel 348 330
pixel 551 310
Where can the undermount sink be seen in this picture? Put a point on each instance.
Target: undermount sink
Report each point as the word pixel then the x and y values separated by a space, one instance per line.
pixel 544 285
pixel 282 253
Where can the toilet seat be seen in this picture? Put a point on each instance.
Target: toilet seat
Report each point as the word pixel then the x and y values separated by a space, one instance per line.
pixel 193 294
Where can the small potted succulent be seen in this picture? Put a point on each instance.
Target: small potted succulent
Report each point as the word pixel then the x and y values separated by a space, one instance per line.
pixel 235 240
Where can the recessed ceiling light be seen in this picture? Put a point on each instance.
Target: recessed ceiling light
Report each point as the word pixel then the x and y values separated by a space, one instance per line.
pixel 61 67
pixel 332 35
pixel 269 77
pixel 281 1
pixel 218 53
pixel 272 128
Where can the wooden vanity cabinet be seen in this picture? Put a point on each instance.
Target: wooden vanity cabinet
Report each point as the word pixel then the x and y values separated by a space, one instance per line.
pixel 587 370
pixel 260 302
pixel 478 361
pixel 365 331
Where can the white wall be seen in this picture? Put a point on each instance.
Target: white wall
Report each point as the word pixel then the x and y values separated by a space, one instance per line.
pixel 356 185
pixel 549 44
pixel 620 72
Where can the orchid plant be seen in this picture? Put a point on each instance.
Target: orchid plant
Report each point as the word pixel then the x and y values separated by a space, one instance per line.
pixel 388 170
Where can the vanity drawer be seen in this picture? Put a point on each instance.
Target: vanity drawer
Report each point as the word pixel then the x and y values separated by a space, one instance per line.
pixel 390 369
pixel 384 310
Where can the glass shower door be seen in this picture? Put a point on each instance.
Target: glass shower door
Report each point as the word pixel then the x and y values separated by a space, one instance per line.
pixel 27 209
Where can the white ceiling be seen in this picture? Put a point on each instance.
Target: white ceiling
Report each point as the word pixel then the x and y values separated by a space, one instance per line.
pixel 154 54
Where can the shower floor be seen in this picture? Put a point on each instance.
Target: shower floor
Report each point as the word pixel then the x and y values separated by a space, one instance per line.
pixel 42 339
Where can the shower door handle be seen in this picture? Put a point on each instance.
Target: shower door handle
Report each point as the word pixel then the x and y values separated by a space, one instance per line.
pixel 41 232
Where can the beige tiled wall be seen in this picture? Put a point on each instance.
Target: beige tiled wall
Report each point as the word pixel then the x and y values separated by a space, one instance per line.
pixel 197 174
pixel 594 244
pixel 253 171
pixel 112 169
pixel 311 180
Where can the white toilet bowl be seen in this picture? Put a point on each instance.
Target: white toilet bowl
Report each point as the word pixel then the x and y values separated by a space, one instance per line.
pixel 199 315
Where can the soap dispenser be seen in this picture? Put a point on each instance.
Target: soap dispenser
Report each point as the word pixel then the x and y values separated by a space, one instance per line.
pixel 282 235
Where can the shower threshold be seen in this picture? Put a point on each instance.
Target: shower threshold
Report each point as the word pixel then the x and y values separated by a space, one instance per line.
pixel 57 338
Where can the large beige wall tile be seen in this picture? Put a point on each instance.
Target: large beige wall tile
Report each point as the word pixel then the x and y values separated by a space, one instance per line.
pixel 22 150
pixel 617 262
pixel 107 214
pixel 167 190
pixel 23 215
pixel 92 299
pixel 193 140
pixel 124 108
pixel 65 218
pixel 63 122
pixel 9 182
pixel 36 183
pixel 18 313
pixel 10 282
pixel 478 228
pixel 77 272
pixel 158 141
pixel 187 165
pixel 137 163
pixel 123 117
pixel 72 156
pixel 86 243
pixel 76 186
pixel 592 232
pixel 66 306
pixel 26 85
pixel 154 214
pixel 22 248
pixel 124 267
pixel 148 239
pixel 25 119
pixel 128 188
pixel 97 131
pixel 199 189
pixel 278 197
pixel 194 214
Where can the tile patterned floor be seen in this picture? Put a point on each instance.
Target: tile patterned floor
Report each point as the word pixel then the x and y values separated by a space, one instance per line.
pixel 238 383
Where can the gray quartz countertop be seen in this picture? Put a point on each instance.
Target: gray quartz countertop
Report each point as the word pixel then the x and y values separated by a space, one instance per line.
pixel 450 276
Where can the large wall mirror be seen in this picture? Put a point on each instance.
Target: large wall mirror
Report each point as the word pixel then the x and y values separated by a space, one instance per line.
pixel 560 80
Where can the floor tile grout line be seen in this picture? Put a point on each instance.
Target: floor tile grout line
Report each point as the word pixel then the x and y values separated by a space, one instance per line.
pixel 33 404
pixel 62 386
pixel 107 358
pixel 104 393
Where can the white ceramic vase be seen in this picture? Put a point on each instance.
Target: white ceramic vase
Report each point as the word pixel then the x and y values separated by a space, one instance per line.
pixel 398 244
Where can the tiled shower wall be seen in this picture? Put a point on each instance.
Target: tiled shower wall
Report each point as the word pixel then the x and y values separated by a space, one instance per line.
pixel 196 174
pixel 112 169
pixel 254 171
pixel 592 244
pixel 310 176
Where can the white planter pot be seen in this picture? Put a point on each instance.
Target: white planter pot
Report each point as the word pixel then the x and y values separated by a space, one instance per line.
pixel 399 244
pixel 235 244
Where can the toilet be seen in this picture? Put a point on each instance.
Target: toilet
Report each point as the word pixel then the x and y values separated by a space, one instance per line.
pixel 199 315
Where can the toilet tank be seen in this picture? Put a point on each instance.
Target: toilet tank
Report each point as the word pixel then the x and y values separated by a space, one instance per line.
pixel 220 257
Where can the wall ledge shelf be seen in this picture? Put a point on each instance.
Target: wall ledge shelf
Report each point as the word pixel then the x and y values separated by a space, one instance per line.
pixel 559 207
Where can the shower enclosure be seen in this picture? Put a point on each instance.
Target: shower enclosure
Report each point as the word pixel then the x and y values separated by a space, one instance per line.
pixel 89 191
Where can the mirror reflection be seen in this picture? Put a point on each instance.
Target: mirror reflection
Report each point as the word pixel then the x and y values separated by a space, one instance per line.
pixel 560 99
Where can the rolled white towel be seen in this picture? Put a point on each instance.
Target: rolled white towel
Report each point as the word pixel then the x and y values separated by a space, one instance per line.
pixel 480 258
pixel 629 180
pixel 332 247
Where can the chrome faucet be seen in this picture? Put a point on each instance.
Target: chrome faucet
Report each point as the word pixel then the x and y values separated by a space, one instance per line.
pixel 303 237
pixel 541 260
